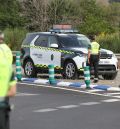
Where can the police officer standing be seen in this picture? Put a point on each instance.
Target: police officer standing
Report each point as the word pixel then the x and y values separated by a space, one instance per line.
pixel 93 57
pixel 7 82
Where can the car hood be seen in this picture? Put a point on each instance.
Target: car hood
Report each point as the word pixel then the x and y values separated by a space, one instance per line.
pixel 106 51
pixel 85 50
pixel 74 49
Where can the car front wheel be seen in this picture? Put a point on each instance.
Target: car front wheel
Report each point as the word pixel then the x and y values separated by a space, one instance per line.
pixel 70 70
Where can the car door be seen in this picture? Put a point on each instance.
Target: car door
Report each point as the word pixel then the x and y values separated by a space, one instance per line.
pixel 39 52
pixel 55 55
pixel 42 55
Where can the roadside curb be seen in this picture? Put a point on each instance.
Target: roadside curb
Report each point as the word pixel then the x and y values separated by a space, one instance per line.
pixel 70 84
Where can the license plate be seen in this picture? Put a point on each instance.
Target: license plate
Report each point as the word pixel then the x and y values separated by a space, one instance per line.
pixel 104 62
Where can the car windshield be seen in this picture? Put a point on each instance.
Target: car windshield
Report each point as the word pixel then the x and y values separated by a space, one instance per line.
pixel 74 41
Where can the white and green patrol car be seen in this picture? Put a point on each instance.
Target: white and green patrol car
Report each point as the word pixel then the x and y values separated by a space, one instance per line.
pixel 67 52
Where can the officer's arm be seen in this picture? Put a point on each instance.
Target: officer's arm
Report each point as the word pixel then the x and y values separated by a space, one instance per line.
pixel 12 91
pixel 99 52
pixel 12 88
pixel 89 52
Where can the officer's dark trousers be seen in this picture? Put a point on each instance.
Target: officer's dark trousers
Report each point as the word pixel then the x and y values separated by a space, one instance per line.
pixel 94 60
pixel 4 118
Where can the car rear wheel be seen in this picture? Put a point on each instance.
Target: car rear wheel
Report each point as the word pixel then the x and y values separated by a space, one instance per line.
pixel 70 70
pixel 29 69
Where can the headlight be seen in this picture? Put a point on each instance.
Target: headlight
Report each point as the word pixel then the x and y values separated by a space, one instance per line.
pixel 81 54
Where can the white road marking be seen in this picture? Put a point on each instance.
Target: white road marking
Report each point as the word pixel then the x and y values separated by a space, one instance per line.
pixel 25 94
pixel 110 100
pixel 90 103
pixel 68 106
pixel 74 106
pixel 113 89
pixel 117 93
pixel 67 89
pixel 46 110
pixel 64 83
pixel 117 96
pixel 94 90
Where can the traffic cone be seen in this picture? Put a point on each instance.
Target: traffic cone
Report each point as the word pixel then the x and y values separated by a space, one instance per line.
pixel 87 76
pixel 52 80
pixel 18 67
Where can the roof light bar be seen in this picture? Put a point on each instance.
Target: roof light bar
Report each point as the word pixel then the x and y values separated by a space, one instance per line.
pixel 62 26
pixel 63 31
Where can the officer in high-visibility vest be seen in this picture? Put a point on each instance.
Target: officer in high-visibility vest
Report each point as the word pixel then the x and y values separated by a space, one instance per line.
pixel 93 57
pixel 7 82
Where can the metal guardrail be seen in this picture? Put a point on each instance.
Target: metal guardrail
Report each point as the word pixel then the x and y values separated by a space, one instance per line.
pixel 117 54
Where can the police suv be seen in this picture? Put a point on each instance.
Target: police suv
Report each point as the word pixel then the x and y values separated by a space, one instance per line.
pixel 66 51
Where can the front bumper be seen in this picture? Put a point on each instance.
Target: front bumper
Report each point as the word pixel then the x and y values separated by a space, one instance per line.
pixel 105 69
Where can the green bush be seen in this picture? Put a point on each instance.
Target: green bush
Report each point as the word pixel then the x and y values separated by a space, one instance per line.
pixel 110 41
pixel 14 37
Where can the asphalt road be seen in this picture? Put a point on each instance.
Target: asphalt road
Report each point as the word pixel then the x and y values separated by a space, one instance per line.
pixel 39 107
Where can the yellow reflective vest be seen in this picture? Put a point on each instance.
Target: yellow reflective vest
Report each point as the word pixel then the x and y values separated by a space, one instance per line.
pixel 95 48
pixel 6 59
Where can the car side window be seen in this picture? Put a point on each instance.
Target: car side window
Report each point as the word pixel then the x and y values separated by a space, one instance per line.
pixel 28 39
pixel 42 41
pixel 52 40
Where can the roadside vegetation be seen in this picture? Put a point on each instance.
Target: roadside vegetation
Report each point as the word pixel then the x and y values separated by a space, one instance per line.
pixel 110 41
pixel 14 37
pixel 88 16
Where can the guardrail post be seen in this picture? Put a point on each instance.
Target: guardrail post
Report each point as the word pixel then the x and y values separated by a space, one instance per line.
pixel 18 66
pixel 52 80
pixel 87 76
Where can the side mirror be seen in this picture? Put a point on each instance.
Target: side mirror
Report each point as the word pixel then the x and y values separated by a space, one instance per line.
pixel 54 45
